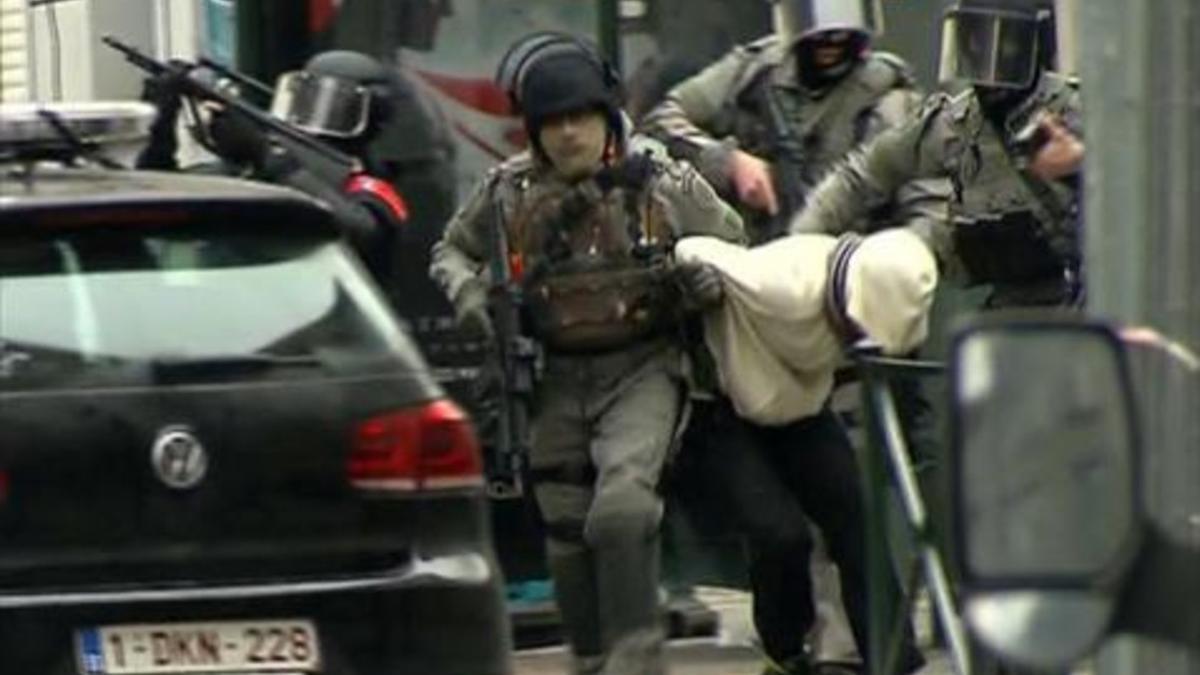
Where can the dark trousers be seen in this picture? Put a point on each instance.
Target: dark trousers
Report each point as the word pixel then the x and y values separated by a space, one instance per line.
pixel 772 480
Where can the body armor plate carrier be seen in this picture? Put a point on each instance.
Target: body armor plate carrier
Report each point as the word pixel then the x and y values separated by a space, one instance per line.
pixel 601 305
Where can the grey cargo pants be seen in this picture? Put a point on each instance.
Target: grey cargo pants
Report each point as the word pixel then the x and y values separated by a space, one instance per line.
pixel 603 429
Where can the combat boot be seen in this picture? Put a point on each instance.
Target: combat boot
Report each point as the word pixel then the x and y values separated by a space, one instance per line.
pixel 797 665
pixel 803 665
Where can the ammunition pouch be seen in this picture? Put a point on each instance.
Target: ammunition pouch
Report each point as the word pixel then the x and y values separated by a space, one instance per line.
pixel 1008 248
pixel 598 308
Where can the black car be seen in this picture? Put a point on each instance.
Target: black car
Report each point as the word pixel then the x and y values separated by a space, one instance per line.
pixel 219 449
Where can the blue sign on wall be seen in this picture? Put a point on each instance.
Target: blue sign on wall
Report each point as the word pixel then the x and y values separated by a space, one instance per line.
pixel 218 39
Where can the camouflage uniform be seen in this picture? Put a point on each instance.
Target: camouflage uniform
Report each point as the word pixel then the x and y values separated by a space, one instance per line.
pixel 606 415
pixel 1010 229
pixel 707 117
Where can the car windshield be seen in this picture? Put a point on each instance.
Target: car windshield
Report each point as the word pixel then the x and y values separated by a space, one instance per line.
pixel 79 309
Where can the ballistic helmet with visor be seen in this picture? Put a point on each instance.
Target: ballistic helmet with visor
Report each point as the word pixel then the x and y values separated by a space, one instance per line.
pixel 998 44
pixel 796 20
pixel 336 94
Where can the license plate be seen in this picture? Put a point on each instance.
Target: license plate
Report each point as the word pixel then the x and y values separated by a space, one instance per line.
pixel 213 647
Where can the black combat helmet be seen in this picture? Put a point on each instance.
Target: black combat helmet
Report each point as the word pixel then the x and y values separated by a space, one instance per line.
pixel 339 94
pixel 548 74
pixel 998 44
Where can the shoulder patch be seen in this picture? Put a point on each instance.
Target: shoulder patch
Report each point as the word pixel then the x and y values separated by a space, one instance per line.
pixel 698 190
pixel 692 185
pixel 961 105
pixel 890 70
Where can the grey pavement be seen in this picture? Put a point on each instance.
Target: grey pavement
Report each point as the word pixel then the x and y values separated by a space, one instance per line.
pixel 731 652
pixel 691 657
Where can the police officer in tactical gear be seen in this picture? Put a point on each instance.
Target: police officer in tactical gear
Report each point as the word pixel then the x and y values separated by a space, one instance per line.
pixel 1011 144
pixel 347 99
pixel 414 146
pixel 358 103
pixel 409 144
pixel 764 124
pixel 333 108
pixel 588 216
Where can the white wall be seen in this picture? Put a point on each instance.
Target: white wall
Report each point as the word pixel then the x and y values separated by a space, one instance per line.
pixel 80 67
pixel 14 51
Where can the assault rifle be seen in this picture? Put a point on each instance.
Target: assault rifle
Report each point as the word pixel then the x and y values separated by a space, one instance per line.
pixel 194 88
pixel 787 166
pixel 240 78
pixel 516 362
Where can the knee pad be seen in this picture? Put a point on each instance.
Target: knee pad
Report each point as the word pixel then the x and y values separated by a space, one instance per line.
pixel 622 516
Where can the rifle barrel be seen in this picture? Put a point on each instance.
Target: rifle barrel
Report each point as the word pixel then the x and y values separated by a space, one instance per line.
pixel 236 76
pixel 205 91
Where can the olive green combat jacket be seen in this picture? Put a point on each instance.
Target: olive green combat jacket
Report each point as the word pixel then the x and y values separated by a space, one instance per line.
pixel 523 192
pixel 952 138
pixel 725 107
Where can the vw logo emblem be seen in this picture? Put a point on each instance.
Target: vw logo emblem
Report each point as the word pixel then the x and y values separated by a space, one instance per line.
pixel 179 458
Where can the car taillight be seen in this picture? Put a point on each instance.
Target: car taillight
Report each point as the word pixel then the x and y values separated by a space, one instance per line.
pixel 3 487
pixel 430 447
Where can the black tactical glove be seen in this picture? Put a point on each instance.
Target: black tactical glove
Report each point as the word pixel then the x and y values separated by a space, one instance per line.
pixel 632 173
pixel 237 139
pixel 701 284
pixel 165 90
pixel 471 311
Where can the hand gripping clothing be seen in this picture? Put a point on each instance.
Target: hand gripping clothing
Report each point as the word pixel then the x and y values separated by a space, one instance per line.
pixel 776 340
pixel 730 105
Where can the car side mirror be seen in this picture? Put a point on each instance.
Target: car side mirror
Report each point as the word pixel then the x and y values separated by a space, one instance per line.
pixel 1046 489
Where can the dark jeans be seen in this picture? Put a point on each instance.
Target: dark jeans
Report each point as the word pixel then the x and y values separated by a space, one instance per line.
pixel 772 480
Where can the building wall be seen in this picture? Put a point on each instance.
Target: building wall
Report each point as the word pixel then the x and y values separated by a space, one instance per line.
pixel 14 51
pixel 53 51
pixel 1141 77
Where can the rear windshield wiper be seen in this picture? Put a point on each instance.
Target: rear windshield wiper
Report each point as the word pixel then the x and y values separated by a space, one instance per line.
pixel 230 363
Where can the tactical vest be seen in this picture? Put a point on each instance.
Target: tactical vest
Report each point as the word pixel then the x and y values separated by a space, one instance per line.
pixel 592 266
pixel 823 128
pixel 1010 228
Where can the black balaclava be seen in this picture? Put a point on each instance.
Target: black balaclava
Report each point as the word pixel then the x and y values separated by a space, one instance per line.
pixel 817 78
pixel 998 102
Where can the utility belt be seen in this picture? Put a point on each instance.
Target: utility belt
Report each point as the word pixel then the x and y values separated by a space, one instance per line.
pixel 1006 248
pixel 594 308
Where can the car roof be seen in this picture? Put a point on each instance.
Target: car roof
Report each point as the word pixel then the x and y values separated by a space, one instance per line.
pixel 62 190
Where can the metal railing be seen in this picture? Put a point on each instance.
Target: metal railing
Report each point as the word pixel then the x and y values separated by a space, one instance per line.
pixel 887 463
